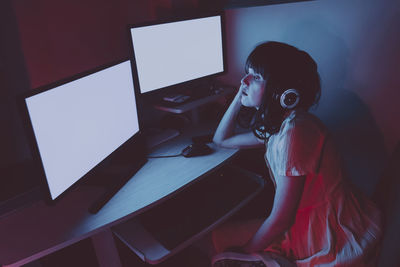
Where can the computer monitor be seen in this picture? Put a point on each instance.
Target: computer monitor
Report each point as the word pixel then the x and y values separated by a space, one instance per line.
pixel 80 122
pixel 175 52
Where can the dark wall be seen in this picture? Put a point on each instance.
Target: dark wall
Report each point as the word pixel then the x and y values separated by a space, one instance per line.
pixel 14 80
pixel 62 38
pixel 43 41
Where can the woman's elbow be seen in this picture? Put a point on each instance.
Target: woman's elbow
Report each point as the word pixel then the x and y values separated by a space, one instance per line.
pixel 224 143
pixel 218 142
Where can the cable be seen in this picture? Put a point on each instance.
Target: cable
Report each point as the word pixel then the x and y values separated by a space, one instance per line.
pixel 168 156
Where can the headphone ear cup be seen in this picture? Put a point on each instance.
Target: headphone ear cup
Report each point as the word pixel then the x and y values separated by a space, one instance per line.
pixel 290 98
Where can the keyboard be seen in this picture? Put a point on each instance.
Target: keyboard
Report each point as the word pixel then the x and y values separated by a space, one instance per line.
pixel 199 206
pixel 190 96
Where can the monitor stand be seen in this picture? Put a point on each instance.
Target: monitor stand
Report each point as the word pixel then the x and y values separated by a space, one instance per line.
pixel 113 179
pixel 116 171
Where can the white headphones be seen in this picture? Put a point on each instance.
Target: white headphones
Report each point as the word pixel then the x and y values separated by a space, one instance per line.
pixel 290 98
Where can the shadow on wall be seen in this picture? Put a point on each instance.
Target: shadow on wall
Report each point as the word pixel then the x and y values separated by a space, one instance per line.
pixel 353 126
pixel 351 122
pixel 357 55
pixel 358 138
pixel 347 117
pixel 387 196
pixel 14 80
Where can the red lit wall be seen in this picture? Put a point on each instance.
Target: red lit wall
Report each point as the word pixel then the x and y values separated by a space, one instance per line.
pixel 65 37
pixel 62 38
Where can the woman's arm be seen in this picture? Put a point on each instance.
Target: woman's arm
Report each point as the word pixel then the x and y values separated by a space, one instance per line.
pixel 225 134
pixel 287 198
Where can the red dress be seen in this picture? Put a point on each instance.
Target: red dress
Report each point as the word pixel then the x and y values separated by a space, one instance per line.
pixel 333 226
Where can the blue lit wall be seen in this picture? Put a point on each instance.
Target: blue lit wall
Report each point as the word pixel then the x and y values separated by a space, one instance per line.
pixel 357 47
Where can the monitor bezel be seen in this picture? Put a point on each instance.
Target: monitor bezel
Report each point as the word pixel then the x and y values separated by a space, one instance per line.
pixel 137 140
pixel 177 86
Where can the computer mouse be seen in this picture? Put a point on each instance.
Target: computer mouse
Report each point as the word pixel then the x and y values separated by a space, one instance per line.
pixel 196 149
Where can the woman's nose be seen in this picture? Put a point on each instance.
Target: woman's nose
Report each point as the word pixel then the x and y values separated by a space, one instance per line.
pixel 245 80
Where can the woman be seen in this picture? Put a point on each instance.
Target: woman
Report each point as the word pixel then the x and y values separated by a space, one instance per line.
pixel 316 219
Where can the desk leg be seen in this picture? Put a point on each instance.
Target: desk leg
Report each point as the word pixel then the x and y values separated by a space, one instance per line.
pixel 106 251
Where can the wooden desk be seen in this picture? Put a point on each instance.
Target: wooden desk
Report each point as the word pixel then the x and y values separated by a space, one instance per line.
pixel 38 230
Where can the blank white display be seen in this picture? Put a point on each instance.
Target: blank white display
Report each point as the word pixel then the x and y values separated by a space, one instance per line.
pixel 176 52
pixel 80 123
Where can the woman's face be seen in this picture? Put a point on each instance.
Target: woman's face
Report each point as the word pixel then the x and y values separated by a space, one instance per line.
pixel 253 87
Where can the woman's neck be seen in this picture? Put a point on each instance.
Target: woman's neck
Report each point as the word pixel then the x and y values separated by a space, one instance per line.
pixel 287 113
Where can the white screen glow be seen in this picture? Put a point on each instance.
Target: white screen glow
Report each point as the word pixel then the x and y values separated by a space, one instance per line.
pixel 80 123
pixel 172 53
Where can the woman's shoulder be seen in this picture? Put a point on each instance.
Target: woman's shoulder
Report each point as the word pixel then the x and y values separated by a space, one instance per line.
pixel 294 150
pixel 303 121
pixel 302 124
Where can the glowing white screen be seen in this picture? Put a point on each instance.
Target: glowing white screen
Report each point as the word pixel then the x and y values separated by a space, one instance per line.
pixel 172 53
pixel 80 123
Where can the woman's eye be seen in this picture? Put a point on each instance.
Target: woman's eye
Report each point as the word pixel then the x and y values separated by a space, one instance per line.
pixel 257 78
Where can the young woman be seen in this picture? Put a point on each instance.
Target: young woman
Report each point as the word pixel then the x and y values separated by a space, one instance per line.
pixel 316 219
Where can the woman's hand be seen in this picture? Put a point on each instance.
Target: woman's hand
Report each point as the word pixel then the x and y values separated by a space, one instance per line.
pixel 289 190
pixel 225 135
pixel 239 93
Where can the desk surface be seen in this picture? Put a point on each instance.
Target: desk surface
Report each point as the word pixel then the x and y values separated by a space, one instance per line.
pixel 38 230
pixel 193 104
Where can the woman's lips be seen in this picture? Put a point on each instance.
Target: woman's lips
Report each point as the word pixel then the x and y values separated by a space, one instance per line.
pixel 244 93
